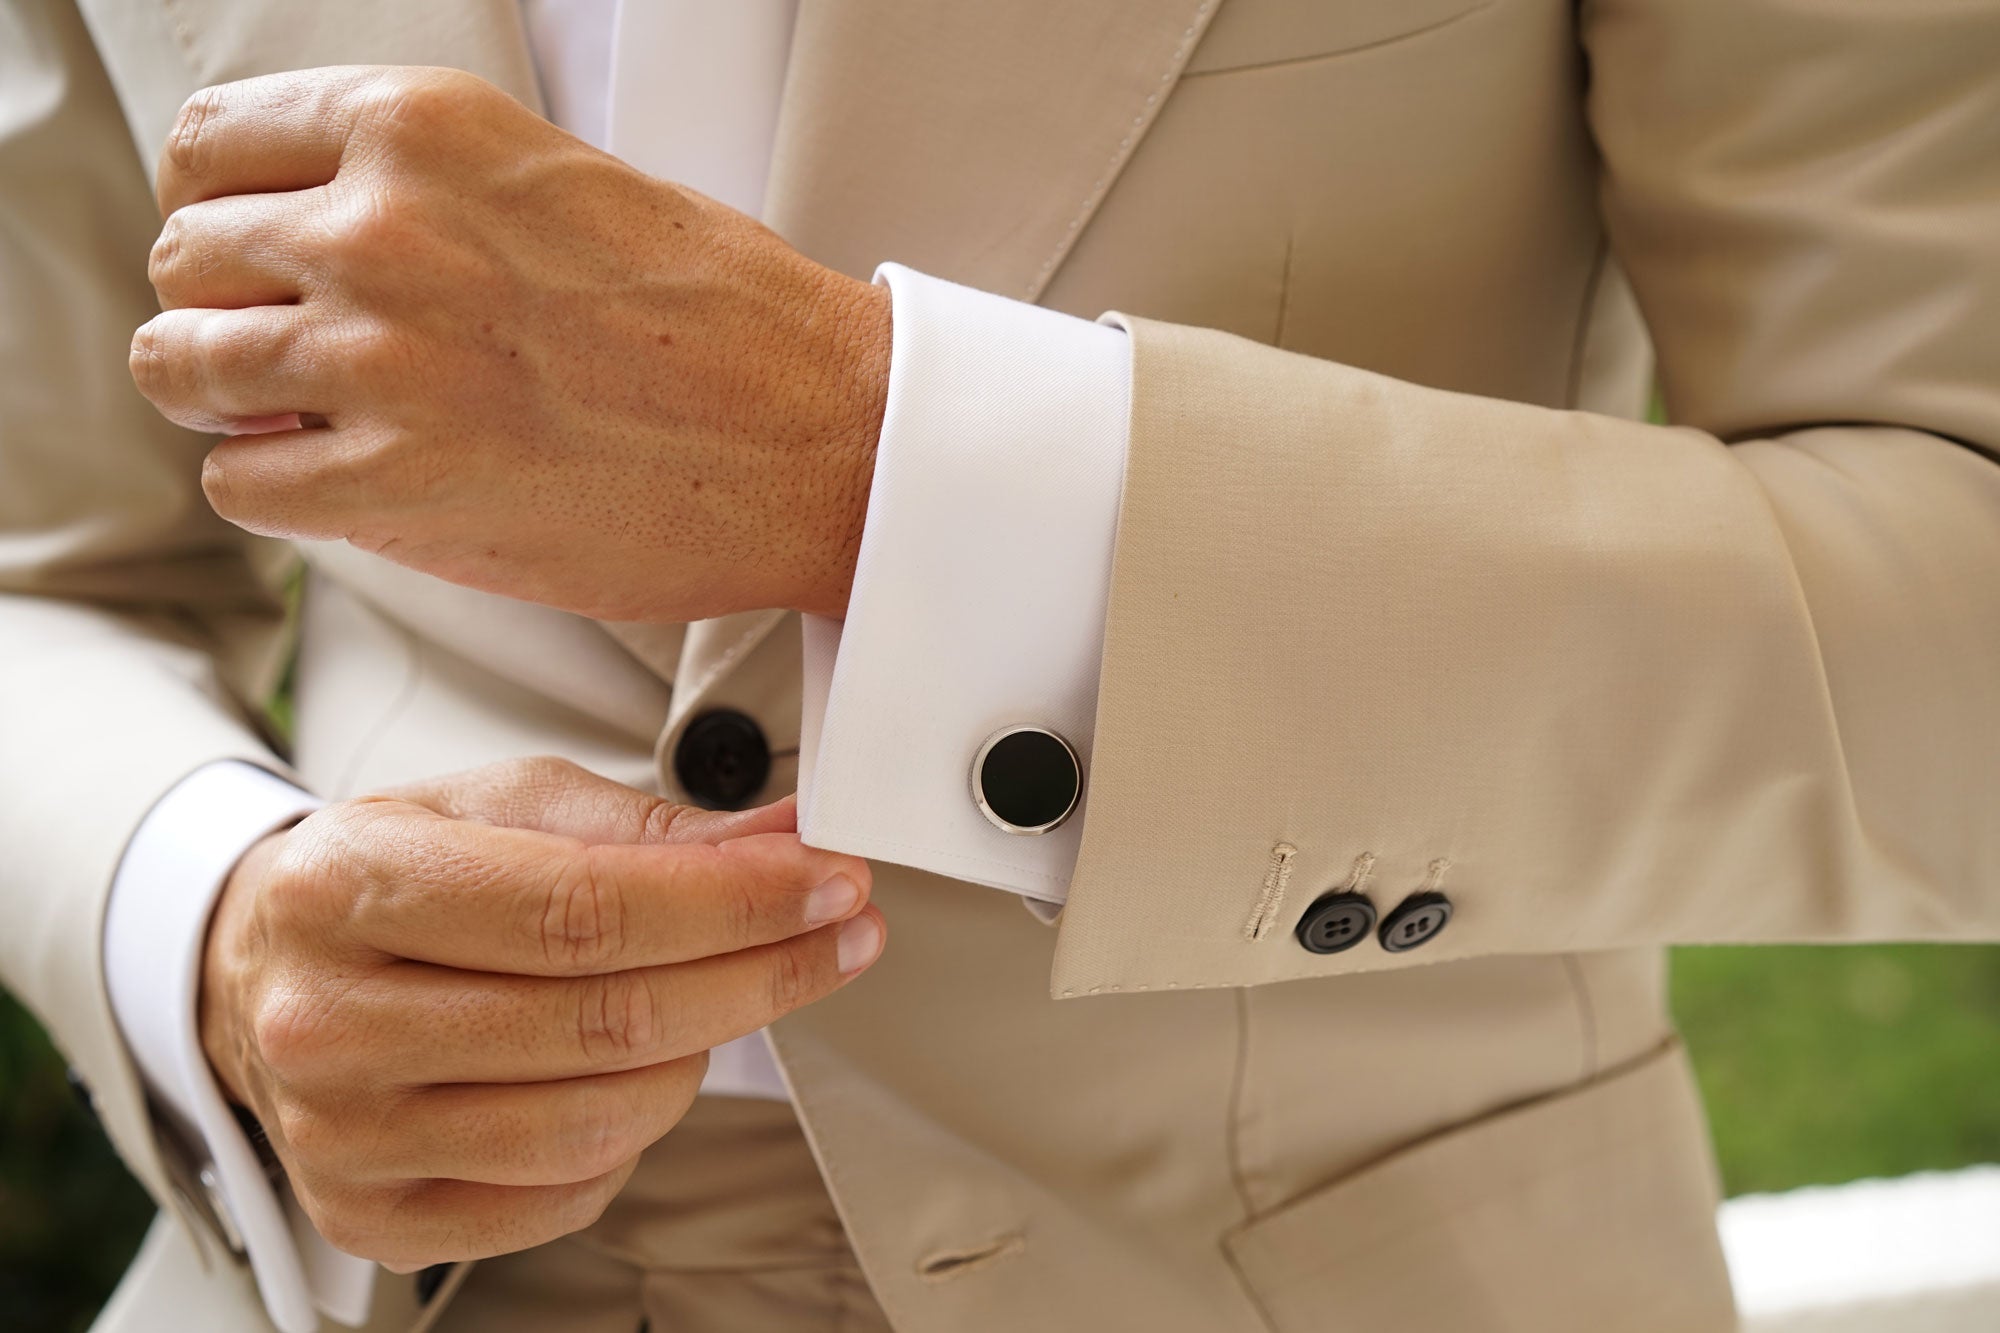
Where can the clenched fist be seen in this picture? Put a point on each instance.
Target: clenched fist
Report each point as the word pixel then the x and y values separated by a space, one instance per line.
pixel 481 348
pixel 462 1010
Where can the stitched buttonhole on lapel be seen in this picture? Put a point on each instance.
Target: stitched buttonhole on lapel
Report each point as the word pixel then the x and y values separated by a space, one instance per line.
pixel 948 1264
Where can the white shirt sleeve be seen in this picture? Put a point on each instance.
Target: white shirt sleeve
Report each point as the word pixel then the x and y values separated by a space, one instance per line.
pixel 155 925
pixel 980 595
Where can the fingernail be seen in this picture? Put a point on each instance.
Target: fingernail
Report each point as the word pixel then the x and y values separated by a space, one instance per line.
pixel 832 900
pixel 860 940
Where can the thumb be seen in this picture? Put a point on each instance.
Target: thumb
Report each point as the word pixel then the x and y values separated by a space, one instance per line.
pixel 550 795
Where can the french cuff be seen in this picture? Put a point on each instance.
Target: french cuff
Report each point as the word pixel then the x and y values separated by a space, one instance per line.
pixel 980 593
pixel 162 895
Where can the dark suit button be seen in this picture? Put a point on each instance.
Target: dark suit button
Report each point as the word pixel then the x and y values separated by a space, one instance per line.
pixel 1336 921
pixel 722 760
pixel 1418 920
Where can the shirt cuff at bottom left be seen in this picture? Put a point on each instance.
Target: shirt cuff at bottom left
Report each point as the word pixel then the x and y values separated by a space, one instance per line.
pixel 156 924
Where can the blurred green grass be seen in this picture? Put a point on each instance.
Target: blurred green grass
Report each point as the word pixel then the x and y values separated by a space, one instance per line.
pixel 1819 1065
pixel 1827 1064
pixel 70 1217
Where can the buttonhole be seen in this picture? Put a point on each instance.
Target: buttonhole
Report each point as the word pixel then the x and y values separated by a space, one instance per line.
pixel 948 1264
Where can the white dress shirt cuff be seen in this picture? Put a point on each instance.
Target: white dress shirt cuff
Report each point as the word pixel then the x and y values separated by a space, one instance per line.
pixel 979 598
pixel 155 925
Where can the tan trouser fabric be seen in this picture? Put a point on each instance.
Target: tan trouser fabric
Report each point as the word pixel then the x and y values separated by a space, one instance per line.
pixel 725 1227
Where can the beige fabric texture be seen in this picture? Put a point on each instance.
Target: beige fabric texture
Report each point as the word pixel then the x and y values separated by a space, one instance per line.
pixel 725 1225
pixel 1402 582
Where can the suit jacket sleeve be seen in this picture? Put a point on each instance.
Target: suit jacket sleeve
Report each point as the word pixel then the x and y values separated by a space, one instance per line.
pixel 1603 683
pixel 133 623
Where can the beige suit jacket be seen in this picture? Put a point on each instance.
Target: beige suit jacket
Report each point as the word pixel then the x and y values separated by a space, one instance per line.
pixel 1402 583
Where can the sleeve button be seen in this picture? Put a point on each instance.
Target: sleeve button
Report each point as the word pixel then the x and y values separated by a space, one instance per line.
pixel 1336 922
pixel 1417 920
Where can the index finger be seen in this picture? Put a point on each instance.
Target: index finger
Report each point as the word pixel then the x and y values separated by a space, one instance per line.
pixel 265 135
pixel 482 898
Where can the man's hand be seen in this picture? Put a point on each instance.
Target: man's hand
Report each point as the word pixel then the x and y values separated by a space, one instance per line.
pixel 462 1010
pixel 483 349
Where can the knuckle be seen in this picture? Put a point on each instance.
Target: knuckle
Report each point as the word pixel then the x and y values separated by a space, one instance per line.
pixel 290 886
pixel 657 820
pixel 223 487
pixel 405 104
pixel 372 230
pixel 230 353
pixel 617 1018
pixel 368 353
pixel 540 773
pixel 594 1138
pixel 187 141
pixel 174 358
pixel 793 978
pixel 418 103
pixel 329 854
pixel 163 262
pixel 280 342
pixel 583 918
pixel 288 1033
pixel 746 904
pixel 149 359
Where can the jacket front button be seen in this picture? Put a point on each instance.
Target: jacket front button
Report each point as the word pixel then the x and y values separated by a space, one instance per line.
pixel 1417 920
pixel 722 760
pixel 1335 922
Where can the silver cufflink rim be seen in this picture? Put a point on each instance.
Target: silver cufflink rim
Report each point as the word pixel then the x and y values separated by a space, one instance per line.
pixel 999 821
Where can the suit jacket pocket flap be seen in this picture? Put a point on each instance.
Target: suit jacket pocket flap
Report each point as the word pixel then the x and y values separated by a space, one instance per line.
pixel 1588 1210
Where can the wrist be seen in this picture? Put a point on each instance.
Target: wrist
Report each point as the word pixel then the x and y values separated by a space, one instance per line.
pixel 224 1040
pixel 862 310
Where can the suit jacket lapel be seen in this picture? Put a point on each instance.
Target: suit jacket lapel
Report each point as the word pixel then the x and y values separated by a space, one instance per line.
pixel 971 141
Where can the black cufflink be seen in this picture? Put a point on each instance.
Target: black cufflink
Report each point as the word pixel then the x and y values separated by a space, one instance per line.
pixel 1336 922
pixel 1026 779
pixel 1417 920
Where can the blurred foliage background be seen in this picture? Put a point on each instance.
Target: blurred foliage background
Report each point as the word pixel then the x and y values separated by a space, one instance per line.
pixel 69 1215
pixel 1819 1065
pixel 1827 1064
